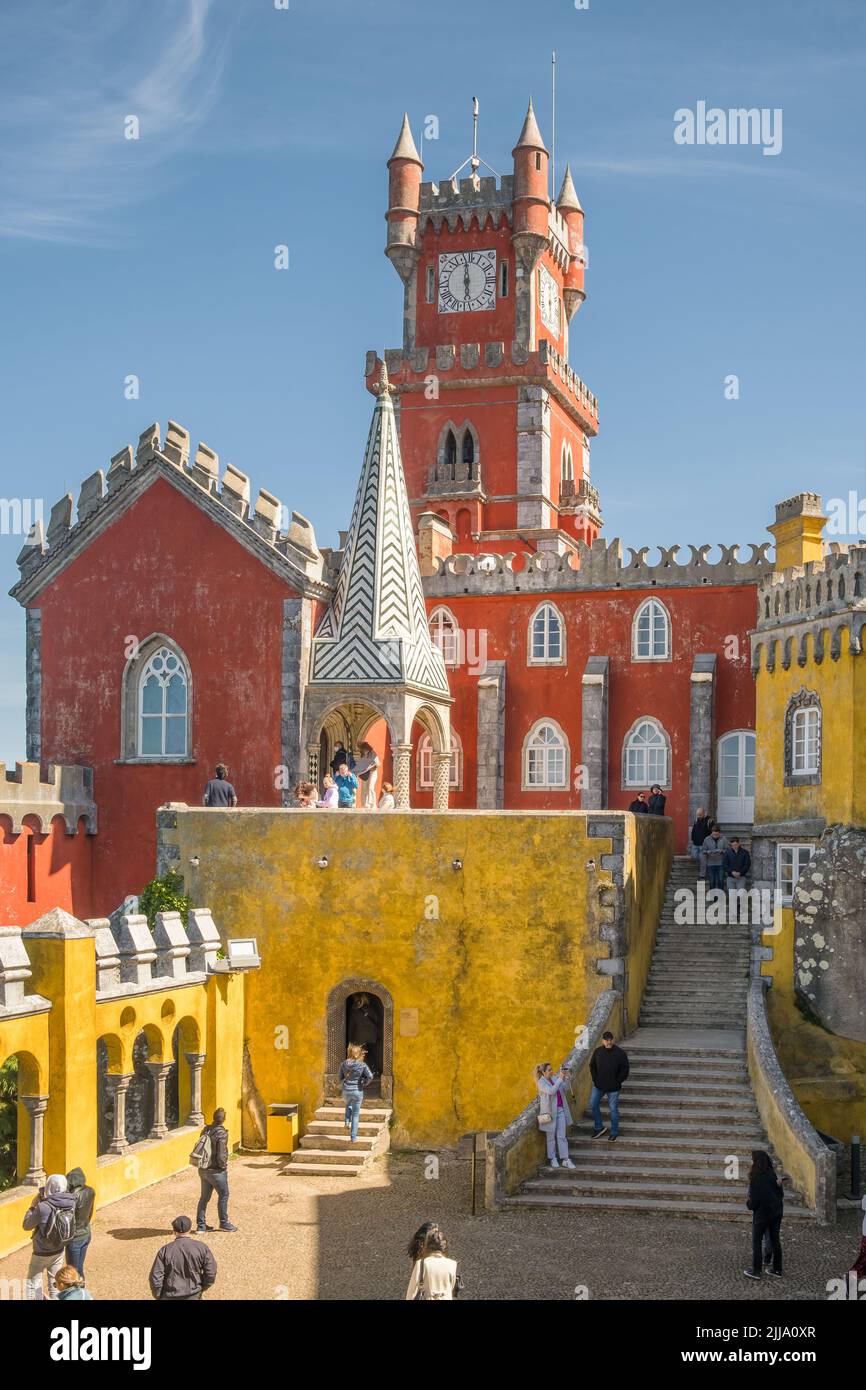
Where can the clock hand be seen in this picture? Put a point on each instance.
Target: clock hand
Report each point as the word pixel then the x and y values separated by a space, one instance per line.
pixel 466 281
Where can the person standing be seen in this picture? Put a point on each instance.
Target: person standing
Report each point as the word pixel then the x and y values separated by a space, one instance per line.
pixel 656 803
pixel 608 1067
pixel 219 790
pixel 354 1076
pixel 639 807
pixel 713 855
pixel 765 1202
pixel 340 757
pixel 215 1177
pixel 347 785
pixel 434 1274
pixel 184 1268
pixel 330 795
pixel 69 1282
pixel 386 800
pixel 305 795
pixel 85 1198
pixel 51 1218
pixel 737 864
pixel 700 831
pixel 367 769
pixel 554 1116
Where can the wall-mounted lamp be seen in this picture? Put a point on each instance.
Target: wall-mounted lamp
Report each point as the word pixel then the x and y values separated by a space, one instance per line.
pixel 456 864
pixel 323 862
pixel 194 861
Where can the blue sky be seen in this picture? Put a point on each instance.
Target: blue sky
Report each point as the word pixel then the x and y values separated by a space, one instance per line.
pixel 261 126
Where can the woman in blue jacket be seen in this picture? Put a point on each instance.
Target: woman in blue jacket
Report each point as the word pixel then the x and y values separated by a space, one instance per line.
pixel 354 1076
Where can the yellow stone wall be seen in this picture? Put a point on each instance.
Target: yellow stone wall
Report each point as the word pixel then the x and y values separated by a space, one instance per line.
pixel 491 967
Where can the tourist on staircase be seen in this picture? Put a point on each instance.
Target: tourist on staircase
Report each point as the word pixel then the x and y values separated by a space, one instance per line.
pixel 765 1201
pixel 608 1067
pixel 738 864
pixel 434 1277
pixel 355 1075
pixel 700 830
pixel 554 1116
pixel 713 852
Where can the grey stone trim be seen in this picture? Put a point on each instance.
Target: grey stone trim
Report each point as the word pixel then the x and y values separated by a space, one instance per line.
pixel 803 699
pixel 336 1032
pixel 490 746
pixel 67 792
pixel 167 848
pixel 702 719
pixel 790 1132
pixel 533 456
pixel 294 671
pixel 595 687
pixel 805 829
pixel 33 669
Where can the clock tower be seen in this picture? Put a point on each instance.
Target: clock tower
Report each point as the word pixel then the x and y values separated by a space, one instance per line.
pixel 495 426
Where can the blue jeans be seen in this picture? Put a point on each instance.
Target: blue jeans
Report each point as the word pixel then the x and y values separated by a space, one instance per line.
pixel 715 876
pixel 353 1111
pixel 76 1251
pixel 595 1099
pixel 213 1181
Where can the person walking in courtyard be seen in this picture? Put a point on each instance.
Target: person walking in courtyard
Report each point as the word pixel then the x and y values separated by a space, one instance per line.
pixel 608 1067
pixel 434 1277
pixel 656 803
pixel 214 1178
pixel 367 770
pixel 330 795
pixel 737 863
pixel 355 1075
pixel 419 1240
pixel 765 1202
pixel 69 1283
pixel 347 785
pixel 219 790
pixel 700 831
pixel 51 1218
pixel 554 1116
pixel 184 1268
pixel 639 807
pixel 386 800
pixel 713 856
pixel 85 1198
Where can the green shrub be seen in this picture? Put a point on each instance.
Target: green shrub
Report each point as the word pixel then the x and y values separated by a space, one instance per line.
pixel 164 895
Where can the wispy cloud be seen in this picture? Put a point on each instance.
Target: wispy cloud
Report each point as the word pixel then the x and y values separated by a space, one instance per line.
pixel 72 74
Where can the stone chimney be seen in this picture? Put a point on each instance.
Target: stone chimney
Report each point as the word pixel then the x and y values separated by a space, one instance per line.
pixel 435 542
pixel 797 531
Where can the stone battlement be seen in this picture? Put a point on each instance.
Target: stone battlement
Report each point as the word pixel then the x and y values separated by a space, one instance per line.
pixel 231 492
pixel 67 792
pixel 599 566
pixel 480 197
pixel 820 588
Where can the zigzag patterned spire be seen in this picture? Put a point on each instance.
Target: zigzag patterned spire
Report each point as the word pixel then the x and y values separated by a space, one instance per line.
pixel 376 627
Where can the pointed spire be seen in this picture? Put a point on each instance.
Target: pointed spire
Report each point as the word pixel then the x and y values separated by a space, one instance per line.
pixel 530 135
pixel 568 198
pixel 405 146
pixel 384 387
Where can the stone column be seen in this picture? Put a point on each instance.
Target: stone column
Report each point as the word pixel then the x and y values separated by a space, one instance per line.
pixel 401 754
pixel 119 1084
pixel 701 725
pixel 35 1107
pixel 294 663
pixel 313 764
pixel 159 1071
pixel 33 666
pixel 593 733
pixel 490 743
pixel 441 779
pixel 196 1063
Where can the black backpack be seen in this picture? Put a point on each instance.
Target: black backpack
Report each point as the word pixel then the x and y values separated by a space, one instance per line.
pixel 59 1229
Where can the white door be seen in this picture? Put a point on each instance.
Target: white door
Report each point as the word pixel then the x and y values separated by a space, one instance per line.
pixel 736 779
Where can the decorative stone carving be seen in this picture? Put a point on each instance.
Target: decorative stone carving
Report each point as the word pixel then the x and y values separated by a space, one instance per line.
pixel 336 1030
pixel 137 950
pixel 204 939
pixel 172 945
pixel 804 699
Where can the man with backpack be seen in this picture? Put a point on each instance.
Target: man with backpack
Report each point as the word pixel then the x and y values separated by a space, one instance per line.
pixel 51 1218
pixel 211 1157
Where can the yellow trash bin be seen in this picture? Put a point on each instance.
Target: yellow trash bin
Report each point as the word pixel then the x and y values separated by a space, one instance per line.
pixel 282 1129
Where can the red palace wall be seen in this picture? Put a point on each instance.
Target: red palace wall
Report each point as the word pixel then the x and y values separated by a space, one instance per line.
pixel 55 872
pixel 165 567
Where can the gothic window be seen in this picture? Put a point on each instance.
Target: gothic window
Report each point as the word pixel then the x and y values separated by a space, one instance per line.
pixel 803 739
pixel 503 279
pixel 431 284
pixel 156 703
pixel 468 448
pixel 545 758
pixel 651 633
pixel 646 755
pixel 425 763
pixel 445 634
pixel 450 451
pixel 546 637
pixel 567 464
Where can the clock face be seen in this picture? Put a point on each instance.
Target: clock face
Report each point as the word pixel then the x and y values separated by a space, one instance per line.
pixel 467 281
pixel 548 300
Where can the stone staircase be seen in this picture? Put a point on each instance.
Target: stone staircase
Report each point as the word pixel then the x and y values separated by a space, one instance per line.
pixel 687 1107
pixel 326 1149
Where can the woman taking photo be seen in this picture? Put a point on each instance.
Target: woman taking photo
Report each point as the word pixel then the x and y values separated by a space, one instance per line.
pixel 554 1116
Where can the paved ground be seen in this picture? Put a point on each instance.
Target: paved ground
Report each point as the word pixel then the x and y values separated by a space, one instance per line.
pixel 340 1238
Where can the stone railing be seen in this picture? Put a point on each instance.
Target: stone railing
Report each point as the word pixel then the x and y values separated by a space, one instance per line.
pixel 824 588
pixel 802 1152
pixel 131 959
pixel 15 971
pixel 67 792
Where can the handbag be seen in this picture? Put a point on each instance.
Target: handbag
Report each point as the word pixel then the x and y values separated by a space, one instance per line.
pixel 544 1118
pixel 420 1295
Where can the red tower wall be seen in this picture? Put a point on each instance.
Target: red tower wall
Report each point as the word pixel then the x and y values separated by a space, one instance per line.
pixel 59 874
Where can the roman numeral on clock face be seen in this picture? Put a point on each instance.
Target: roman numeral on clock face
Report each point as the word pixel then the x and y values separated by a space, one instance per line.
pixel 467 281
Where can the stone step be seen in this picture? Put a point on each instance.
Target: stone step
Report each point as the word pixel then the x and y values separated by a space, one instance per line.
pixel 639 1084
pixel 332 1170
pixel 690 1147
pixel 662 1075
pixel 643 1157
pixel 381 1114
pixel 673 1197
pixel 690 1053
pixel 570 1180
pixel 689 1107
pixel 332 1142
pixel 338 1127
pixel 695 1207
pixel 736 1131
pixel 352 1158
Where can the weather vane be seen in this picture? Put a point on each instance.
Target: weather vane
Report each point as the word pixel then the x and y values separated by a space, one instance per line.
pixel 474 159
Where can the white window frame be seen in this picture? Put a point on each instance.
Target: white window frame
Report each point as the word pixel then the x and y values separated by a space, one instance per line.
pixel 530 746
pixel 438 622
pixel 165 651
pixel 567 466
pixel 644 783
pixel 795 848
pixel 531 659
pixel 806 750
pixel 647 605
pixel 424 764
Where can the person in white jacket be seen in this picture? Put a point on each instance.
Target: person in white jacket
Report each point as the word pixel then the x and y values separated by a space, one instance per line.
pixel 367 771
pixel 434 1275
pixel 554 1116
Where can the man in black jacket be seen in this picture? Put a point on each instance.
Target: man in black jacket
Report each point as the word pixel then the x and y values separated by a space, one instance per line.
pixel 639 807
pixel 215 1178
pixel 608 1067
pixel 738 863
pixel 85 1199
pixel 656 803
pixel 184 1268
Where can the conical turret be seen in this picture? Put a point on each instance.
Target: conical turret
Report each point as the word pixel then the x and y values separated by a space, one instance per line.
pixel 569 209
pixel 404 200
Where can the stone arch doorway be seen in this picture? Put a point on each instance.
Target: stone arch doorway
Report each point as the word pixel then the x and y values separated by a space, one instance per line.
pixel 347 725
pixel 380 1012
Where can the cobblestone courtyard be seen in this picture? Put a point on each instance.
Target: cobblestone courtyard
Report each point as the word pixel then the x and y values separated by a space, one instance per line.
pixel 327 1238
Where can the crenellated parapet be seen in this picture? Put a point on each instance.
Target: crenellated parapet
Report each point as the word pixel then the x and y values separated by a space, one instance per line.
pixel 599 566
pixel 66 792
pixel 812 611
pixel 226 496
pixel 131 958
pixel 457 201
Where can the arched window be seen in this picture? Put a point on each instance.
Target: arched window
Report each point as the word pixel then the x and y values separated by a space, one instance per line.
pixel 803 739
pixel 546 637
pixel 468 448
pixel 567 464
pixel 646 755
pixel 450 450
pixel 586 459
pixel 156 703
pixel 445 634
pixel 425 763
pixel 651 633
pixel 545 758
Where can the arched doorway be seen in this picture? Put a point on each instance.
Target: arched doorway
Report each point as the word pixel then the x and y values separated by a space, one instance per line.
pixel 374 1024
